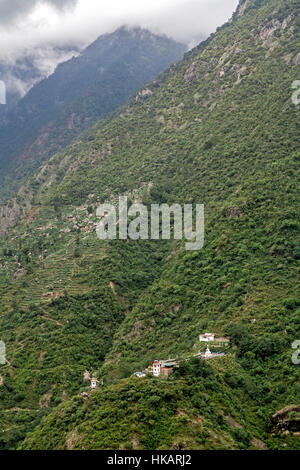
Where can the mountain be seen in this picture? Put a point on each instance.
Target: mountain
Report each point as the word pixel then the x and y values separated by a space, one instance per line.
pixel 21 74
pixel 79 92
pixel 220 129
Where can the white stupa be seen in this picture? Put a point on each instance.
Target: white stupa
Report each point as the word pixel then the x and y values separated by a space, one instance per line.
pixel 208 352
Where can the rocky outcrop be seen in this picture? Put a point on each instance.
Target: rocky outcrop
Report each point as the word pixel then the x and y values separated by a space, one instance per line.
pixel 287 420
pixel 86 376
pixel 9 215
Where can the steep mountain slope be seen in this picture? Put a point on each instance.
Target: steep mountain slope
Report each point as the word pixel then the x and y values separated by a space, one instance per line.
pixel 81 91
pixel 221 129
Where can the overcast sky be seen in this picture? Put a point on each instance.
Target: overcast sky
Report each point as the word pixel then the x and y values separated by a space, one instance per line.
pixel 40 23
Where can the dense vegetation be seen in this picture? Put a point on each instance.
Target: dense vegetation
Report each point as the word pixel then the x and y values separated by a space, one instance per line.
pixel 219 128
pixel 181 413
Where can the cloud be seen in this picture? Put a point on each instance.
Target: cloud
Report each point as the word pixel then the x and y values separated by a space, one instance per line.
pixel 12 10
pixel 49 30
pixel 36 22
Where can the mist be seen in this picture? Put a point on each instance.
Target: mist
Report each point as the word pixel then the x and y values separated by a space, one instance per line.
pixel 51 31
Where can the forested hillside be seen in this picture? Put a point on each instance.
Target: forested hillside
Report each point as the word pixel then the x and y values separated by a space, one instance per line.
pixel 219 129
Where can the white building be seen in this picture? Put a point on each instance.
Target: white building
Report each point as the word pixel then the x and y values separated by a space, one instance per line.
pixel 94 383
pixel 164 368
pixel 156 368
pixel 207 337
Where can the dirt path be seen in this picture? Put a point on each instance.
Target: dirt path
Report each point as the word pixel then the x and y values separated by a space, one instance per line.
pixel 52 319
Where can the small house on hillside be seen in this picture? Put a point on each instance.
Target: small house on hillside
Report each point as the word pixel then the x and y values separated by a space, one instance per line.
pixel 94 383
pixel 167 368
pixel 140 375
pixel 163 368
pixel 207 337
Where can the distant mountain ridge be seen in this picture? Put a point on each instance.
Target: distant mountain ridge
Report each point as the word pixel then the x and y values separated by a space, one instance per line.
pixel 79 92
pixel 22 73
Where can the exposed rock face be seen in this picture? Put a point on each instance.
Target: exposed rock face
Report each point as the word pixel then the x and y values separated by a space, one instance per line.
pixel 21 272
pixel 269 29
pixel 86 376
pixel 198 68
pixel 287 419
pixel 143 94
pixel 193 72
pixel 258 444
pixel 9 216
pixel 296 60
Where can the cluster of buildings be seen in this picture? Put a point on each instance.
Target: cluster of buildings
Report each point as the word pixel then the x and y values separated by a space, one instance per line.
pixel 157 369
pixel 207 338
pixel 165 368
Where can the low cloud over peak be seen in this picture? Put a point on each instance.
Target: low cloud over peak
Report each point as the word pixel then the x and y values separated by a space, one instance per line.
pixel 30 23
pixel 42 27
pixel 13 10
